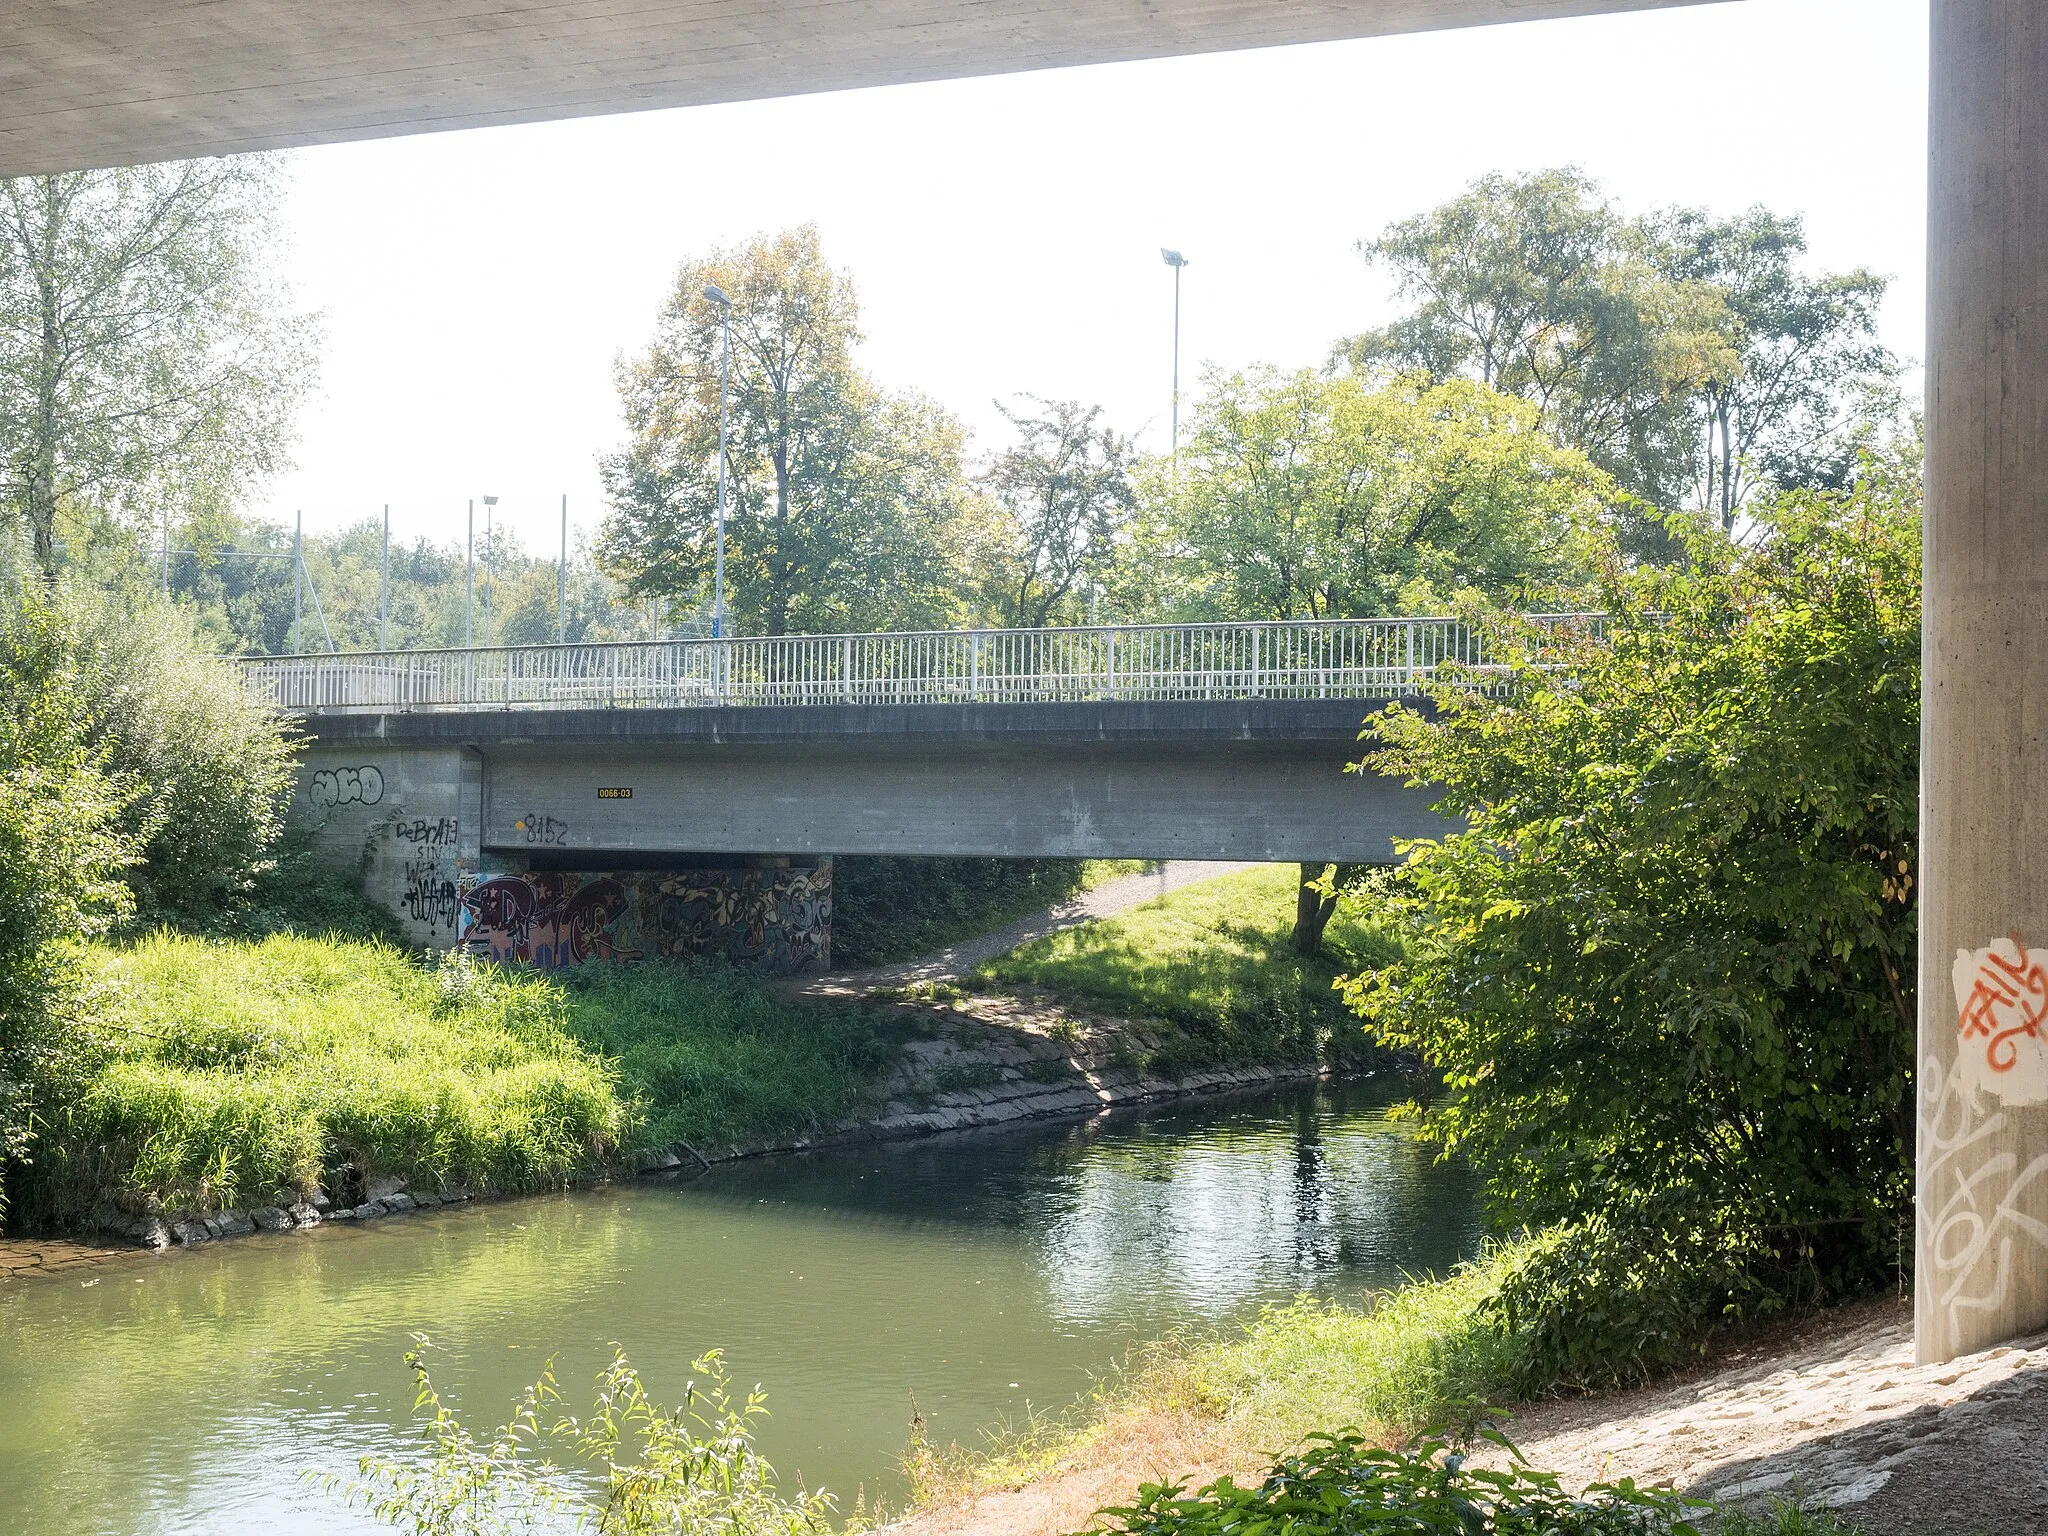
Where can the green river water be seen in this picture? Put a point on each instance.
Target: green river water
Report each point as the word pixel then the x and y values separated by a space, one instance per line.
pixel 989 1274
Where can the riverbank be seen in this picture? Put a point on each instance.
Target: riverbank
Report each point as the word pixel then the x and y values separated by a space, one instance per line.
pixel 248 1087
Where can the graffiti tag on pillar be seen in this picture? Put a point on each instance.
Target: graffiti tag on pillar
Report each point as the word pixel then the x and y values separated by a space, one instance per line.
pixel 545 830
pixel 347 786
pixel 435 832
pixel 2002 1016
pixel 429 895
pixel 1977 1204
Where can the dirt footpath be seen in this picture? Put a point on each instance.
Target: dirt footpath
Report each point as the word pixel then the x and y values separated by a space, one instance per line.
pixel 1833 1414
pixel 1839 1416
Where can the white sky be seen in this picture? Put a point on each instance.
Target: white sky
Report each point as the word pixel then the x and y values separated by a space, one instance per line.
pixel 1004 233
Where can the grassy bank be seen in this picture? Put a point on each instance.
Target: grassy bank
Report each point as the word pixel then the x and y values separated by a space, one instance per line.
pixel 229 1072
pixel 1217 960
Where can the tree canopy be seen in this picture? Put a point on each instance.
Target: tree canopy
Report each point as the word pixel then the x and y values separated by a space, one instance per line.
pixel 1304 495
pixel 150 365
pixel 842 497
pixel 1690 357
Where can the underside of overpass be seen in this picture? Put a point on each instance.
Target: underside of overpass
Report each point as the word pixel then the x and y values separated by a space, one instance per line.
pixel 99 82
pixel 117 82
pixel 431 803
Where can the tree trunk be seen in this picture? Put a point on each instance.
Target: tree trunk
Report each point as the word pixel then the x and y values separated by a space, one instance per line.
pixel 1312 909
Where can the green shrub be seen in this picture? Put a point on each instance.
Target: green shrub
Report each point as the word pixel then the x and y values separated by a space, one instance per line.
pixel 1668 973
pixel 1341 1484
pixel 212 766
pixel 1618 1296
pixel 62 856
pixel 305 893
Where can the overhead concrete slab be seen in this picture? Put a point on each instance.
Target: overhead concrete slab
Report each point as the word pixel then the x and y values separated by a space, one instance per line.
pixel 87 83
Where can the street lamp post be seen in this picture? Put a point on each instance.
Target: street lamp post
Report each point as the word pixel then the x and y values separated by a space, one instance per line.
pixel 1175 260
pixel 469 582
pixel 717 296
pixel 490 561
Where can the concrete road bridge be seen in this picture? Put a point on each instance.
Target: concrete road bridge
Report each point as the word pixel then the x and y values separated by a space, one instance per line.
pixel 106 82
pixel 443 769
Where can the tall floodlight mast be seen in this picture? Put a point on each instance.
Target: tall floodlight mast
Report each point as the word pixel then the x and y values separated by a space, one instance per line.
pixel 717 296
pixel 490 559
pixel 1175 260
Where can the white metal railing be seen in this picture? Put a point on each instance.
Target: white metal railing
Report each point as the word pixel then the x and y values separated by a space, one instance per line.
pixel 1309 658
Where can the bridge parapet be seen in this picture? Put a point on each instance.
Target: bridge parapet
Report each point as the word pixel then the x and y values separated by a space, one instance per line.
pixel 1300 659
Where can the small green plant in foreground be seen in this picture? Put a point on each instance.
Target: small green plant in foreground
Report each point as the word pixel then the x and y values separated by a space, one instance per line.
pixel 1342 1484
pixel 643 1468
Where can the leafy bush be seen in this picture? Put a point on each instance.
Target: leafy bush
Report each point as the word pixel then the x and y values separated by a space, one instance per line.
pixel 1668 972
pixel 691 1470
pixel 1341 1484
pixel 304 893
pixel 62 855
pixel 1619 1295
pixel 212 766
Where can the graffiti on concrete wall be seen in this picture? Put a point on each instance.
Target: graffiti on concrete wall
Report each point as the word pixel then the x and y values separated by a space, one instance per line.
pixel 363 785
pixel 433 875
pixel 1979 1205
pixel 427 832
pixel 777 920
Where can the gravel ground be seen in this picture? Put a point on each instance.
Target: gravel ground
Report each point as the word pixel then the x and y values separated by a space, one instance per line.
pixel 1836 1415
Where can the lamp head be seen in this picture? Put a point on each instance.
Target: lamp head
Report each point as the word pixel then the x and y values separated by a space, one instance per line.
pixel 490 501
pixel 1172 258
pixel 717 295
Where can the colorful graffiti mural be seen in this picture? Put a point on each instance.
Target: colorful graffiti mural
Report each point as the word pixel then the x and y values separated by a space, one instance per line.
pixel 776 920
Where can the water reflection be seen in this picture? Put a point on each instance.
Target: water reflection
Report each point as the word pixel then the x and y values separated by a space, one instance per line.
pixel 981 1272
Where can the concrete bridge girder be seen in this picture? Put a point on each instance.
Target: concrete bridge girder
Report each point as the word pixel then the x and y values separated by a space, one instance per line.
pixel 430 802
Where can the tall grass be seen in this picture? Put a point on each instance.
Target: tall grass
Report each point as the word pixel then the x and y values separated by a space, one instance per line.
pixel 708 1053
pixel 1216 958
pixel 234 1072
pixel 1424 1356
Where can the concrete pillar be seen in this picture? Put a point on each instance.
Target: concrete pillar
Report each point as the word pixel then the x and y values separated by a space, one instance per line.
pixel 1982 1273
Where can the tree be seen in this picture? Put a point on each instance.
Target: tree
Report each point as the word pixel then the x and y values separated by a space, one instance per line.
pixel 842 497
pixel 1528 285
pixel 1063 490
pixel 1304 496
pixel 149 364
pixel 1797 348
pixel 1686 356
pixel 1668 969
